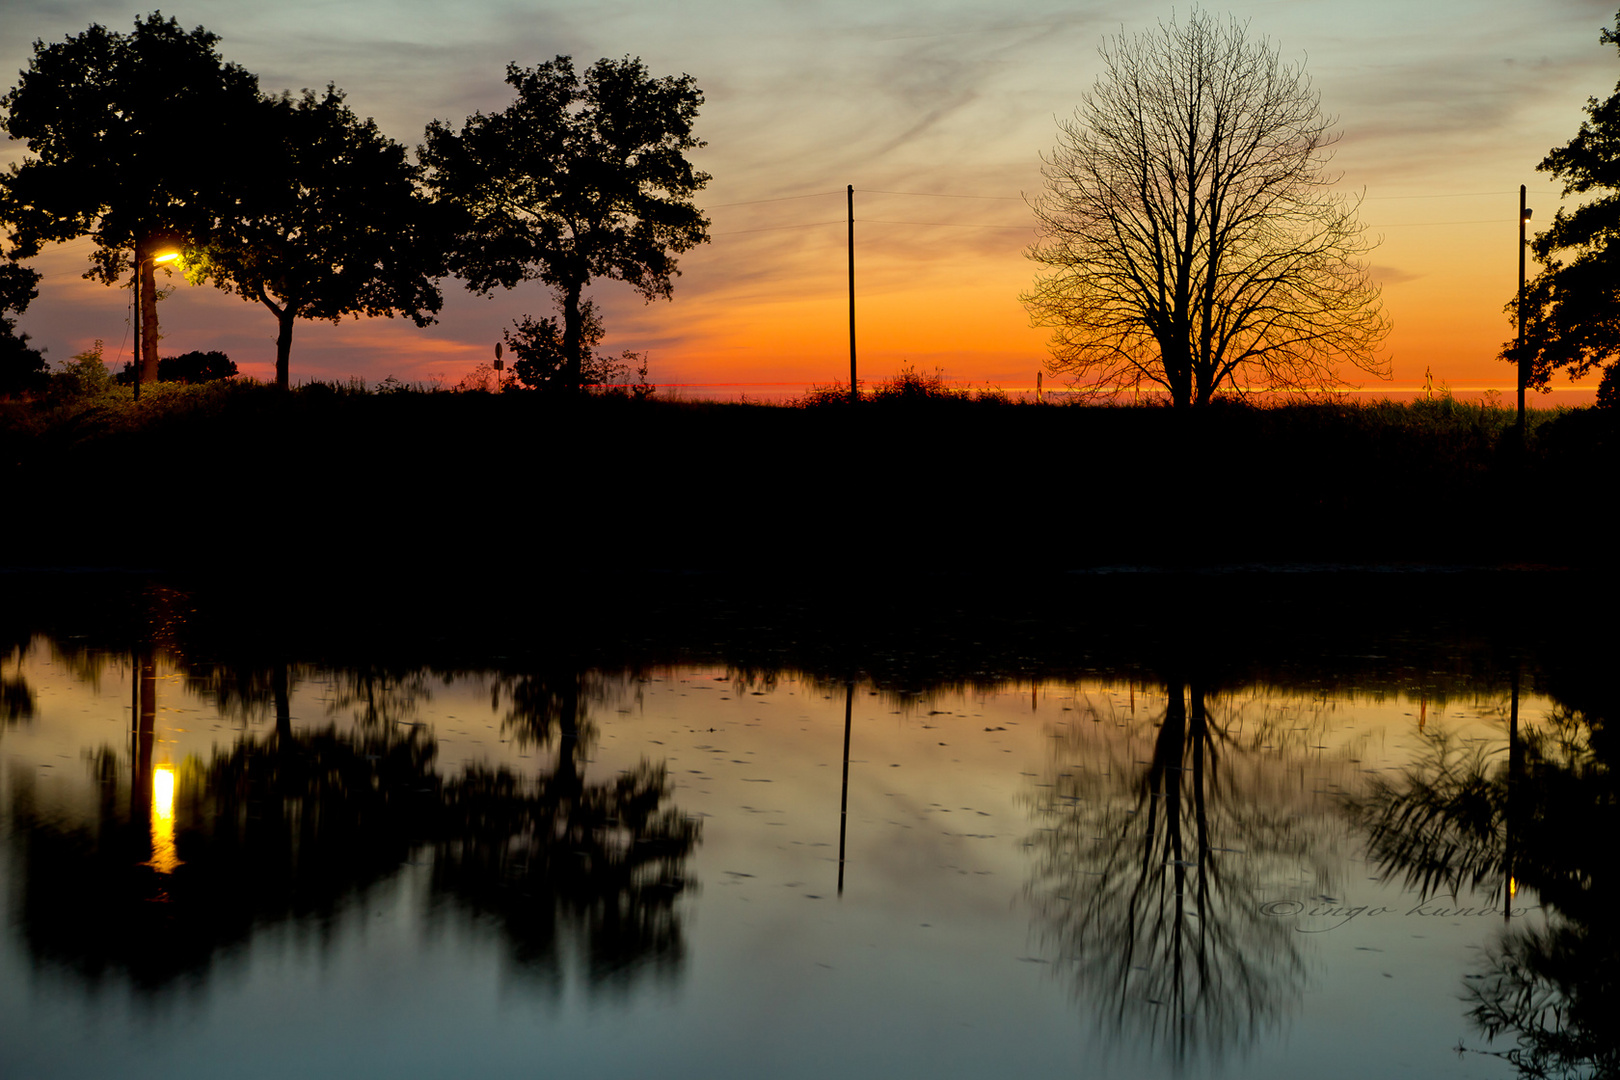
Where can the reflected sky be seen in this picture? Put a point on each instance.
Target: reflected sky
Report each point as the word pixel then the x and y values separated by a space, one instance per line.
pixel 367 871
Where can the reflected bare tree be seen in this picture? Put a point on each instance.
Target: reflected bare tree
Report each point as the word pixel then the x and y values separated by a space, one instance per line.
pixel 1150 876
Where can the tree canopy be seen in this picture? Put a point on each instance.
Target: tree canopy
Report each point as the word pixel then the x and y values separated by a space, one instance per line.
pixel 581 177
pixel 329 223
pixel 1572 308
pixel 134 138
pixel 22 369
pixel 1189 239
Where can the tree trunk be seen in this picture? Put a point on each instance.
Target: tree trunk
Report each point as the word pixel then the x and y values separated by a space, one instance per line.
pixel 279 691
pixel 284 322
pixel 567 778
pixel 1178 373
pixel 149 321
pixel 573 361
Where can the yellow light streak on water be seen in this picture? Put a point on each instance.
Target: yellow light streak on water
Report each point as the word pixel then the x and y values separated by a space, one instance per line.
pixel 164 857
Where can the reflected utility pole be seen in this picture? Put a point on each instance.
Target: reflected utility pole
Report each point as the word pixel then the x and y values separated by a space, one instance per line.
pixel 143 734
pixel 843 801
pixel 1509 886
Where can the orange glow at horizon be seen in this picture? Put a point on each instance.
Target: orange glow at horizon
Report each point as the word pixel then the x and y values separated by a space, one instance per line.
pixel 748 314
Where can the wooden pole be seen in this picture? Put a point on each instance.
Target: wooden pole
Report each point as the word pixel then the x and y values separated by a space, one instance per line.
pixel 854 393
pixel 843 802
pixel 1524 361
pixel 1508 823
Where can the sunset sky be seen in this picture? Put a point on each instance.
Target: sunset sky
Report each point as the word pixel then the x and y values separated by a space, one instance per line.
pixel 937 114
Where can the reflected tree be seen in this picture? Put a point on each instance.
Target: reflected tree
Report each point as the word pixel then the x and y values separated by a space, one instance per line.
pixel 290 825
pixel 558 858
pixel 249 692
pixel 1468 819
pixel 16 696
pixel 1552 990
pixel 379 697
pixel 272 829
pixel 1151 872
pixel 1441 826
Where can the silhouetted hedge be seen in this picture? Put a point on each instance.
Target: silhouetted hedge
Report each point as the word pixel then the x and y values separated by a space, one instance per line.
pixel 522 484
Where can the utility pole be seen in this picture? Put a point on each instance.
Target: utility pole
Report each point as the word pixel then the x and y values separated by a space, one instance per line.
pixel 1524 361
pixel 854 393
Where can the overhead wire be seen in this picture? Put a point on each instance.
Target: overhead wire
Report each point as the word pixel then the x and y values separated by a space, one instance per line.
pixel 1024 228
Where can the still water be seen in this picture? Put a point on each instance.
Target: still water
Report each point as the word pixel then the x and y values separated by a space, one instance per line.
pixel 701 871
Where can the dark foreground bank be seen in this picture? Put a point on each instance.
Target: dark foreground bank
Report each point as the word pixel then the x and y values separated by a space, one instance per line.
pixel 243 480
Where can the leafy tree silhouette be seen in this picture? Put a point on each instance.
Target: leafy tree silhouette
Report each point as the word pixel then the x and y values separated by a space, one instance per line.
pixel 1572 309
pixel 328 224
pixel 582 177
pixel 113 123
pixel 22 369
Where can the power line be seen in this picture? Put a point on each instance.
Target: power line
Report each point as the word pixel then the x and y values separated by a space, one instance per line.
pixel 940 195
pixel 778 228
pixel 869 191
pixel 877 221
pixel 782 198
pixel 1446 195
pixel 945 224
pixel 1475 221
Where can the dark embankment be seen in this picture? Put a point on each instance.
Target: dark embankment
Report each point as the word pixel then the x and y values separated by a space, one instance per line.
pixel 1453 633
pixel 493 489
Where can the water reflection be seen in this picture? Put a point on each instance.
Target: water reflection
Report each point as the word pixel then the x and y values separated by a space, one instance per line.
pixel 1158 840
pixel 177 863
pixel 559 859
pixel 164 854
pixel 323 819
pixel 1472 817
pixel 16 696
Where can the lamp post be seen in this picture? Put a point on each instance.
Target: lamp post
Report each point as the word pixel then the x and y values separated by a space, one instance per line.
pixel 1524 361
pixel 144 277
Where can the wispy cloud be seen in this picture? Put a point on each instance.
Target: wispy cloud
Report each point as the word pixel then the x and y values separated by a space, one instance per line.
pixel 945 96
